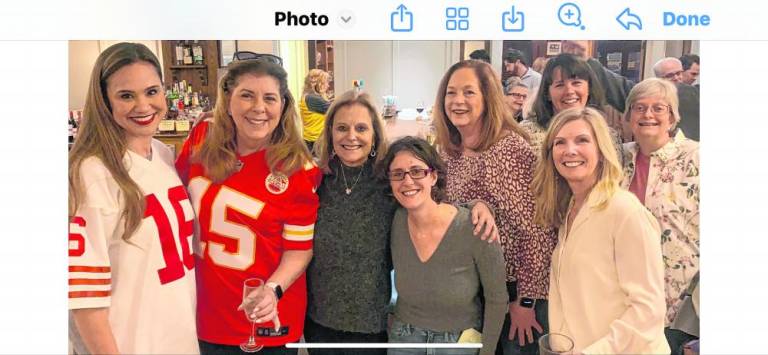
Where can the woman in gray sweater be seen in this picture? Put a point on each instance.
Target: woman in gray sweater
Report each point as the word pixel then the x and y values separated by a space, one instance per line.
pixel 440 267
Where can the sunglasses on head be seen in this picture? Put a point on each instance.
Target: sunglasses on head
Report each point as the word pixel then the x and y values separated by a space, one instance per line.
pixel 247 55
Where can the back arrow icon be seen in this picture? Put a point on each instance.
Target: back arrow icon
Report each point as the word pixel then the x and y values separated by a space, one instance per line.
pixel 626 19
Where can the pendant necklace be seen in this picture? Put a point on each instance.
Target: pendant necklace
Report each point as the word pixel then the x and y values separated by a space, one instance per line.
pixel 348 189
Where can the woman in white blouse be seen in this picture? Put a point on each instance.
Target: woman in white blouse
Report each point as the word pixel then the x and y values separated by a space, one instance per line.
pixel 607 281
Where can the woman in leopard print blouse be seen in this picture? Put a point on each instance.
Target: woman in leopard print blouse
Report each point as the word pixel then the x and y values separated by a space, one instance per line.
pixel 488 157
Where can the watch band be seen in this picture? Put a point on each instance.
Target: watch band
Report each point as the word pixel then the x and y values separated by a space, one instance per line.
pixel 527 302
pixel 276 287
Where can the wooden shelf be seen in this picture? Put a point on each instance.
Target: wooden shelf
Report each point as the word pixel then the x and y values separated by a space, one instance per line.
pixel 174 67
pixel 202 77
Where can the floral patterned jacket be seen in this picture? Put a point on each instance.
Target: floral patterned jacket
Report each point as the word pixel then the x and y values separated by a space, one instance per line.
pixel 672 196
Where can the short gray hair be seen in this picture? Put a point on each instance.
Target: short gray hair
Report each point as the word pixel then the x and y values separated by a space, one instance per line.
pixel 661 62
pixel 655 87
pixel 514 81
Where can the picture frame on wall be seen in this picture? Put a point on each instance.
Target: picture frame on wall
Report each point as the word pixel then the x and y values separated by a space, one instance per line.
pixel 554 48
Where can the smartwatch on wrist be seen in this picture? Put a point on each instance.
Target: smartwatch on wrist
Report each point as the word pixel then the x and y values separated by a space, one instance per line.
pixel 527 302
pixel 275 287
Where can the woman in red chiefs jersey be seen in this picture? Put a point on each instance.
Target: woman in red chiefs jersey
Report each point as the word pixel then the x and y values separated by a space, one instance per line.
pixel 131 277
pixel 252 182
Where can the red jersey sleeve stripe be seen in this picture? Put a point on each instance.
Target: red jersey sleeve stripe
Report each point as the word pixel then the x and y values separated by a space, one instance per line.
pixel 78 268
pixel 90 281
pixel 83 294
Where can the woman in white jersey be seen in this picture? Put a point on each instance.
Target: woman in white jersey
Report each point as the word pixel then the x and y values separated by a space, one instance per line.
pixel 131 277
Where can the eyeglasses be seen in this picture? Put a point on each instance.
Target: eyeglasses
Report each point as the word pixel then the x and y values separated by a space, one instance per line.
pixel 518 96
pixel 673 74
pixel 415 173
pixel 247 55
pixel 655 109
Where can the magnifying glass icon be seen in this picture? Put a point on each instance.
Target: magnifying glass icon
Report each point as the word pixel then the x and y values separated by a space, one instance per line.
pixel 569 14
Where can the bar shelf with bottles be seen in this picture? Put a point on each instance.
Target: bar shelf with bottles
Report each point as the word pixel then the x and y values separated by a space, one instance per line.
pixel 185 107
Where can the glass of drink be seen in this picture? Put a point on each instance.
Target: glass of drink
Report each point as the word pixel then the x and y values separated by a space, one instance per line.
pixel 419 108
pixel 555 344
pixel 253 293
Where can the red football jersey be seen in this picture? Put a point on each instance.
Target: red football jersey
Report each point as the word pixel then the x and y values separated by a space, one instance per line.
pixel 245 224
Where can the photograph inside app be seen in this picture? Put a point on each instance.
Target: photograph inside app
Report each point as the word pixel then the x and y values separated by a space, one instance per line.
pixel 384 197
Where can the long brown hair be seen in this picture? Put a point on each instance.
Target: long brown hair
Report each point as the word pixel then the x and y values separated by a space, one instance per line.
pixel 101 137
pixel 497 120
pixel 323 147
pixel 286 151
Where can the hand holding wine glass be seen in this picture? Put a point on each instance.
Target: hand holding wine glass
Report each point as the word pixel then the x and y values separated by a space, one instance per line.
pixel 260 305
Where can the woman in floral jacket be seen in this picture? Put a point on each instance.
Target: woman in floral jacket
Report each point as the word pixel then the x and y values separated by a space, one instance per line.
pixel 663 172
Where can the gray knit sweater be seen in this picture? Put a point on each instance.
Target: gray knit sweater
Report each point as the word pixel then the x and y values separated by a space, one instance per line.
pixel 443 293
pixel 348 281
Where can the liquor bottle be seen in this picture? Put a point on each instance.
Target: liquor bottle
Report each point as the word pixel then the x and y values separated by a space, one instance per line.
pixel 197 53
pixel 187 54
pixel 179 53
pixel 188 96
pixel 195 100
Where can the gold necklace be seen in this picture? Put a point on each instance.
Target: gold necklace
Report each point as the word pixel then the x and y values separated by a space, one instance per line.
pixel 348 189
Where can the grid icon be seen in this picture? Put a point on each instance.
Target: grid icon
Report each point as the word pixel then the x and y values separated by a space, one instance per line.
pixel 457 18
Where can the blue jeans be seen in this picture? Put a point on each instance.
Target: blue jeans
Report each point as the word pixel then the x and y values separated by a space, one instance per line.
pixel 401 332
pixel 512 347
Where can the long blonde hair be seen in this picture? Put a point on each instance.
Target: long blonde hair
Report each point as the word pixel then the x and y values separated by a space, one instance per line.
pixel 314 80
pixel 551 190
pixel 323 147
pixel 101 137
pixel 286 151
pixel 497 120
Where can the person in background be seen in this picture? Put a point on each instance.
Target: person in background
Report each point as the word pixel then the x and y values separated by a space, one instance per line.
pixel 352 234
pixel 314 103
pixel 568 82
pixel 687 95
pixel 516 64
pixel 615 87
pixel 606 288
pixel 669 68
pixel 480 54
pixel 253 182
pixel 539 64
pixel 441 269
pixel 515 96
pixel 131 270
pixel 662 170
pixel 488 157
pixel 691 69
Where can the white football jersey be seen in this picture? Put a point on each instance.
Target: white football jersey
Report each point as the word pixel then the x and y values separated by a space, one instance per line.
pixel 148 282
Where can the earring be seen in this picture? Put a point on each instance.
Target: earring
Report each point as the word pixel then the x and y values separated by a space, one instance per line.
pixel 333 153
pixel 373 150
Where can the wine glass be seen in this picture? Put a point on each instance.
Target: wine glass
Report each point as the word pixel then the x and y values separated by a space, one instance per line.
pixel 430 135
pixel 253 293
pixel 419 108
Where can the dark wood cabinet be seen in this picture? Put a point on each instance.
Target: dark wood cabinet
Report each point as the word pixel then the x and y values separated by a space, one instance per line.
pixel 201 76
pixel 321 57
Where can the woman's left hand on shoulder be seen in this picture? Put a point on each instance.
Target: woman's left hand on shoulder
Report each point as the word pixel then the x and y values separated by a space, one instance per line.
pixel 484 222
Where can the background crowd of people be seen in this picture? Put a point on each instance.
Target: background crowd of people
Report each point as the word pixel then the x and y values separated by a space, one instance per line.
pixel 532 213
